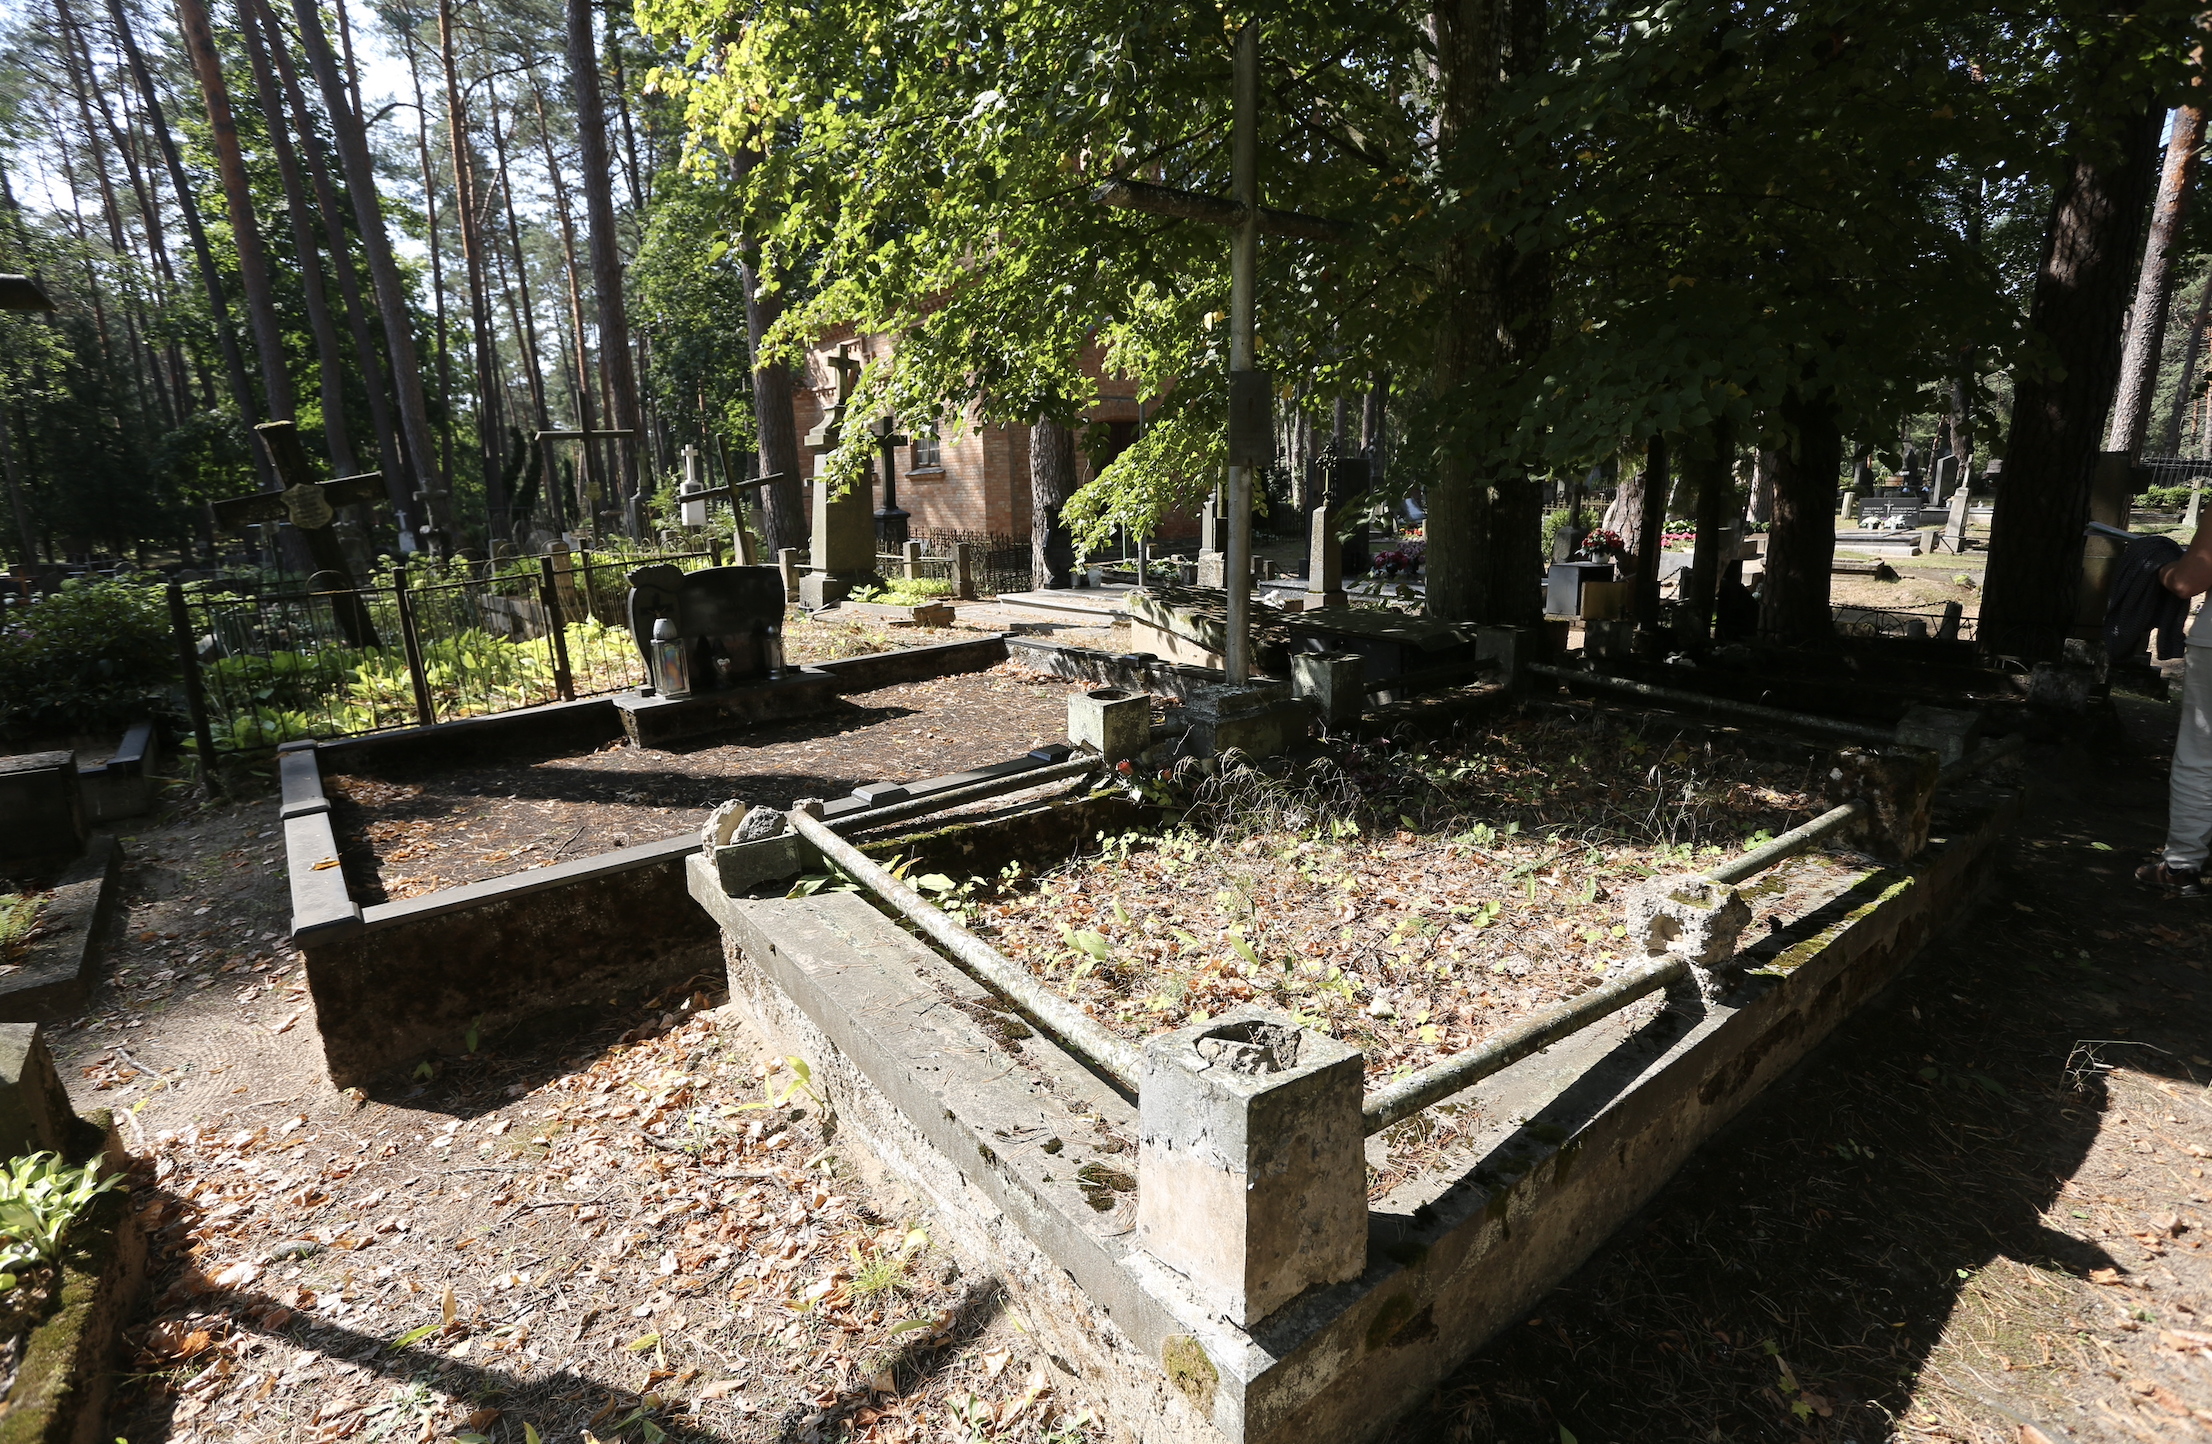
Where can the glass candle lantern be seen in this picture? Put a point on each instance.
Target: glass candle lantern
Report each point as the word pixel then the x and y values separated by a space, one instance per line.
pixel 671 660
pixel 771 647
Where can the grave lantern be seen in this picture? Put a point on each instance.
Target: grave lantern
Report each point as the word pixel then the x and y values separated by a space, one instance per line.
pixel 671 660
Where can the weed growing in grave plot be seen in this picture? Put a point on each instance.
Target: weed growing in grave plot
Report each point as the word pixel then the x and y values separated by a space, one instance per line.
pixel 1408 899
pixel 18 921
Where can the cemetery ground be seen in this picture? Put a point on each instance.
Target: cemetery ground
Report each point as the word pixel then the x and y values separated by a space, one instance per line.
pixel 414 828
pixel 1978 1212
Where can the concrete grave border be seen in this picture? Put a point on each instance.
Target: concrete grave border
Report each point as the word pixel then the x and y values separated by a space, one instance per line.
pixel 395 982
pixel 66 1374
pixel 1024 1154
pixel 51 982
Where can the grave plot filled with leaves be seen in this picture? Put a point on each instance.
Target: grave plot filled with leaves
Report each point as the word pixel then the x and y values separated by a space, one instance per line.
pixel 1411 900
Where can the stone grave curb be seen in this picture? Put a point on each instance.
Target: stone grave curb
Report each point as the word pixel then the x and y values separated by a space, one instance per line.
pixel 914 664
pixel 126 784
pixel 590 721
pixel 1598 1123
pixel 395 983
pixel 63 1381
pixel 51 982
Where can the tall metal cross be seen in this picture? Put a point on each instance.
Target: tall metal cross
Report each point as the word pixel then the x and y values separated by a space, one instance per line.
pixel 311 506
pixel 1251 394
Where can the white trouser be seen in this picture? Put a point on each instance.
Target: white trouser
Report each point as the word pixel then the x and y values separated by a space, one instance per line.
pixel 2189 801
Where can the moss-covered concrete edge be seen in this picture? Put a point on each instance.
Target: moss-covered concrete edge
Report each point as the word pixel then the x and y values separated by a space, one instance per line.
pixel 61 1390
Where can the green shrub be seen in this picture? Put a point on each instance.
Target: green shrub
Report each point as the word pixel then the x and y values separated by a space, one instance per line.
pixel 906 591
pixel 2165 498
pixel 95 654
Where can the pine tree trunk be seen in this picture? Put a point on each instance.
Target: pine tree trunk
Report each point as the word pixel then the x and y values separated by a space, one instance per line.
pixel 253 268
pixel 375 381
pixel 1711 471
pixel 490 428
pixel 1801 544
pixel 1051 483
pixel 376 245
pixel 2081 292
pixel 211 280
pixel 2192 349
pixel 527 326
pixel 1645 544
pixel 313 292
pixel 606 258
pixel 2146 340
pixel 433 230
pixel 783 517
pixel 583 392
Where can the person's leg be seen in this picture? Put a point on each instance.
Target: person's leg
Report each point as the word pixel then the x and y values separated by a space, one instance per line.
pixel 2189 801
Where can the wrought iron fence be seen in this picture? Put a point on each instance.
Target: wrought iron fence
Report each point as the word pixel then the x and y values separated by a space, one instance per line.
pixel 1949 624
pixel 1001 561
pixel 420 645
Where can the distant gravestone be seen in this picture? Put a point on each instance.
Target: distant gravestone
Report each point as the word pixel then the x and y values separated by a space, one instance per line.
pixel 1954 526
pixel 1946 477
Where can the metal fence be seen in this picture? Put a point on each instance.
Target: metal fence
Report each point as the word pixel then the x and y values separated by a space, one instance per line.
pixel 1949 624
pixel 1001 561
pixel 425 644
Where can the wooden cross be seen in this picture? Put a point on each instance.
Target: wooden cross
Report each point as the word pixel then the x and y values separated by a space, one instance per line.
pixel 730 493
pixel 311 506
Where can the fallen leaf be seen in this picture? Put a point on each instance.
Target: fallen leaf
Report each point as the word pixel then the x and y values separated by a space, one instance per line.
pixel 721 1388
pixel 2107 1276
pixel 996 1362
pixel 286 1025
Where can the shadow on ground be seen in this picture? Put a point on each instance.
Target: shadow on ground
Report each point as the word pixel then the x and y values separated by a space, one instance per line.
pixel 1814 1271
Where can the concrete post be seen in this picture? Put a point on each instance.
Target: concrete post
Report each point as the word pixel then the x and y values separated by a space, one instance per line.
pixel 1898 785
pixel 1945 731
pixel 1324 561
pixel 1113 722
pixel 1251 1172
pixel 1513 647
pixel 34 1107
pixel 910 560
pixel 963 570
pixel 1336 681
pixel 787 562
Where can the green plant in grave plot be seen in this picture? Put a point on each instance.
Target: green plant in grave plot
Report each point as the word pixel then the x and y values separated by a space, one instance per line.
pixel 41 1198
pixel 18 917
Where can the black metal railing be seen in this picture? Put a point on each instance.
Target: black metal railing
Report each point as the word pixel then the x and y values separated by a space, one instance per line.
pixel 418 645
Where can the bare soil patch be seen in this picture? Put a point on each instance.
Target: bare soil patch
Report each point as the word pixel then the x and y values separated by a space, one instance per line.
pixel 411 829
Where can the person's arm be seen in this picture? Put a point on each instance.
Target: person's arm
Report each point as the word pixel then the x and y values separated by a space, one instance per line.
pixel 2192 575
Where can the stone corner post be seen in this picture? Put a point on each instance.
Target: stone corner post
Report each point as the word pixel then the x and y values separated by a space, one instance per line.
pixel 1251 1170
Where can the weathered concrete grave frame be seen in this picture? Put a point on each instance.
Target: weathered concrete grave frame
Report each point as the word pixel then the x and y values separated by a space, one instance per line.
pixel 393 983
pixel 1289 1308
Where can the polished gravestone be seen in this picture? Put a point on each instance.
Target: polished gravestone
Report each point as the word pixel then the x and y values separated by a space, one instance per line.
pixel 712 640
